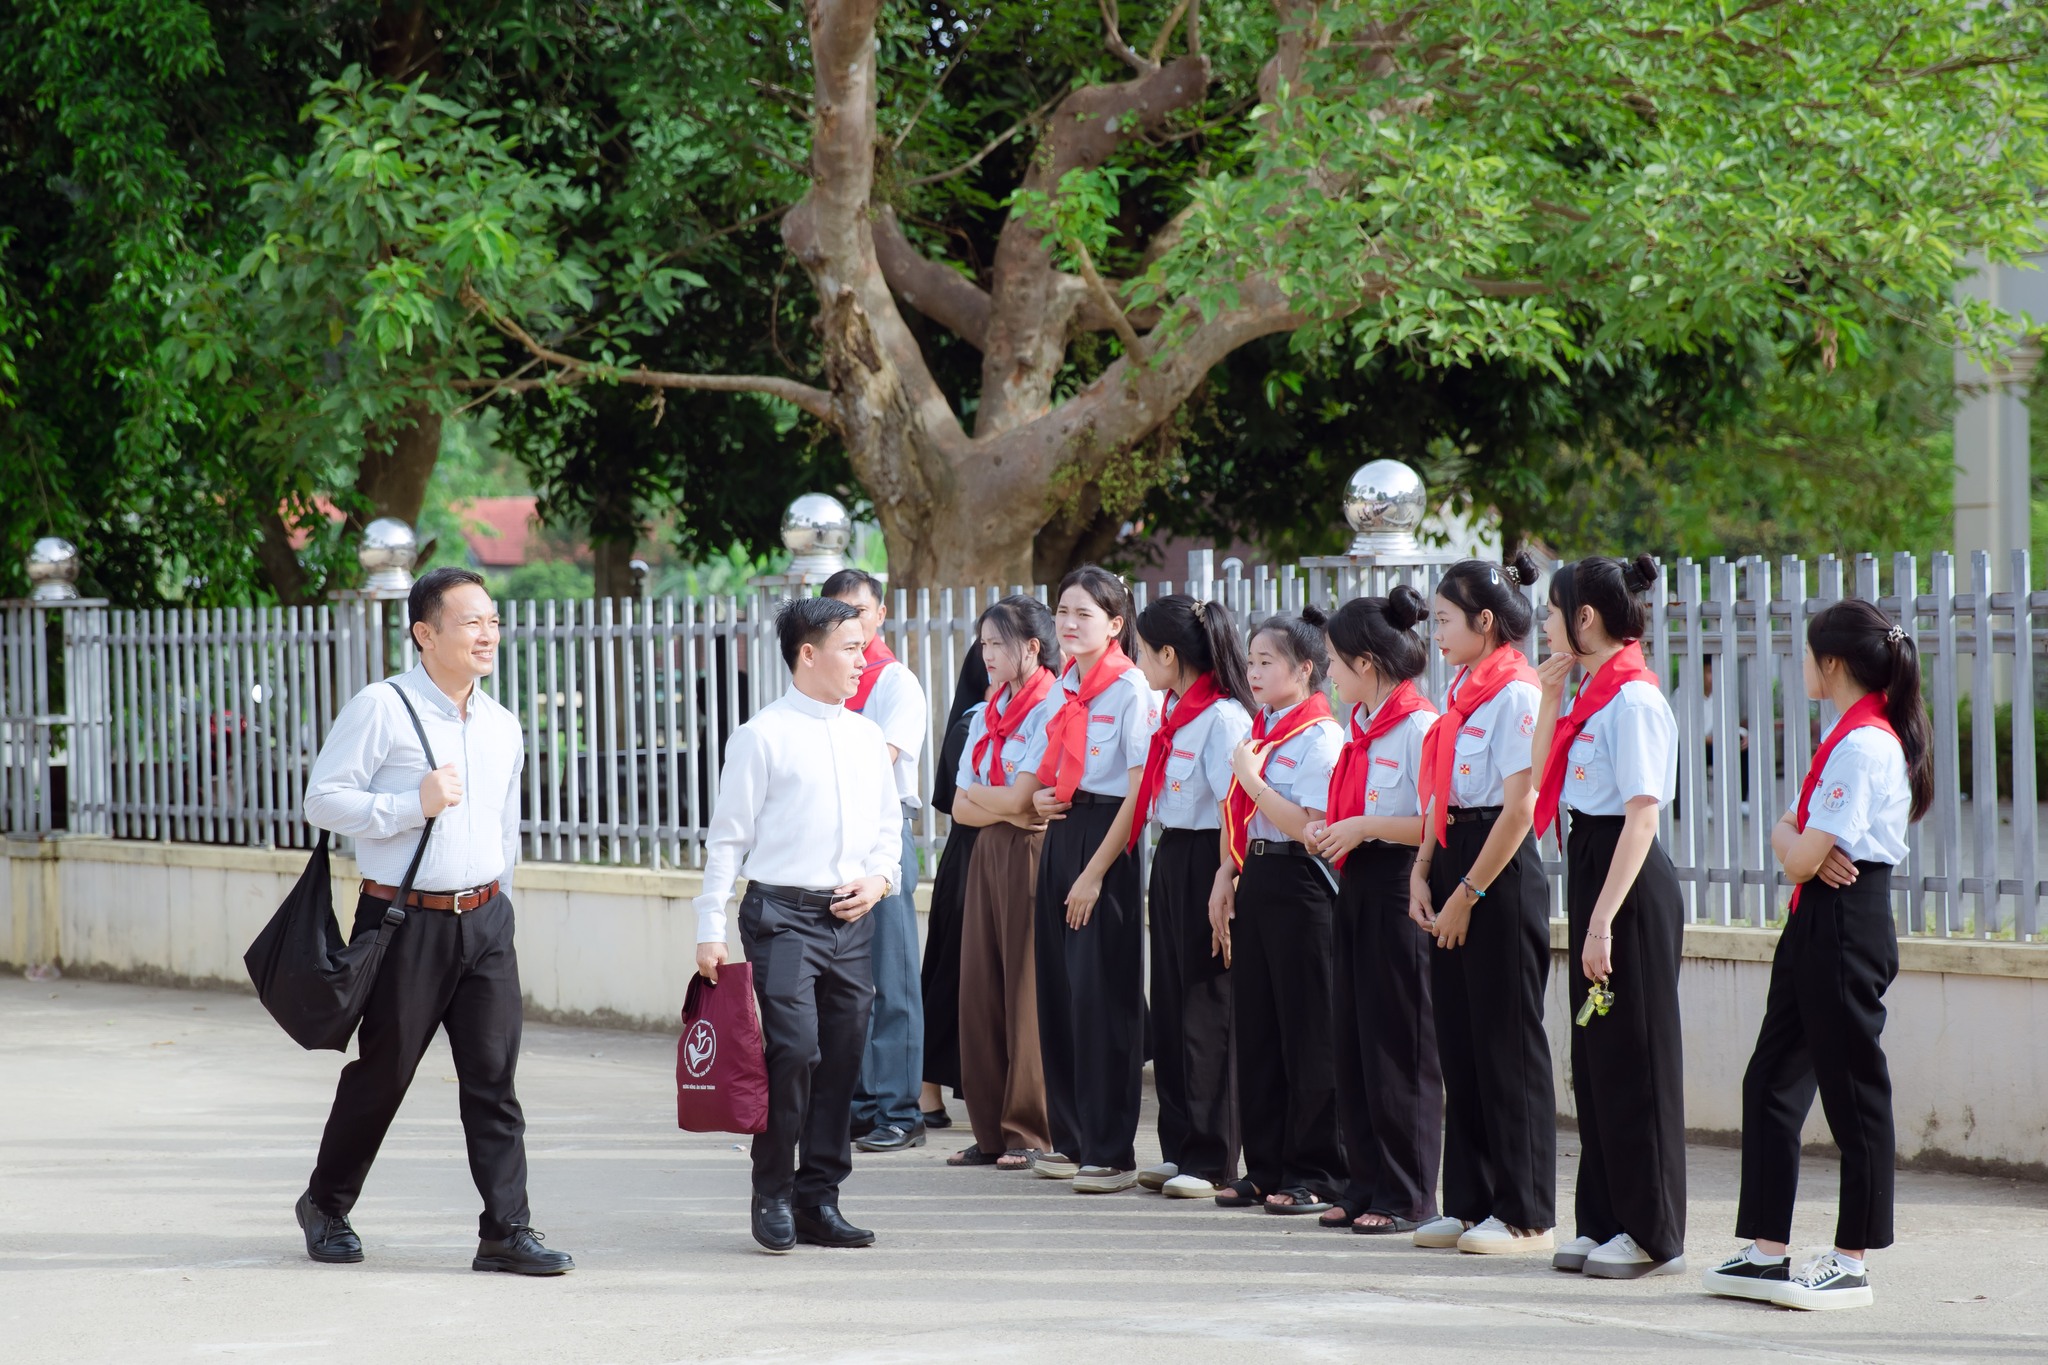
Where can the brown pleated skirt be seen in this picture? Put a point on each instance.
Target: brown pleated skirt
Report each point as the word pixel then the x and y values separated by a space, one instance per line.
pixel 1000 1068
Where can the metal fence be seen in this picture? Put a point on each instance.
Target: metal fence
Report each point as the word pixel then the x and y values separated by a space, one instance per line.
pixel 200 724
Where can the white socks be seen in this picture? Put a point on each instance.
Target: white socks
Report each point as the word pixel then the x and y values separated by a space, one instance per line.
pixel 1852 1264
pixel 1756 1256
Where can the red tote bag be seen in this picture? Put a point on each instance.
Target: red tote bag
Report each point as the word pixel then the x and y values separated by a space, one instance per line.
pixel 721 1072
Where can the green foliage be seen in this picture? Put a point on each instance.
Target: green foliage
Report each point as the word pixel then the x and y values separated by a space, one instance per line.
pixel 543 580
pixel 2001 719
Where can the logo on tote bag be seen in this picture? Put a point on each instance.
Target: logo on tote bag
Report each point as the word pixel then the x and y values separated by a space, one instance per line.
pixel 700 1049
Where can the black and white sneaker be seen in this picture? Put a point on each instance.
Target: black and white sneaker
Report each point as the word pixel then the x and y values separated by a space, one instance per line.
pixel 1824 1283
pixel 1739 1277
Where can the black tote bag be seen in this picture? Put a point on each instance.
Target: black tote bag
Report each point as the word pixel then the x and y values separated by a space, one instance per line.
pixel 313 984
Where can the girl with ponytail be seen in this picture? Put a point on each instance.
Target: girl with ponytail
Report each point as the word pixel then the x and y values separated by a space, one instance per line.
pixel 1190 651
pixel 1838 952
pixel 1390 1099
pixel 1609 753
pixel 1281 900
pixel 1477 889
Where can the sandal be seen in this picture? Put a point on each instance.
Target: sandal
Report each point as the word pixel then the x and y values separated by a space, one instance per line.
pixel 1339 1215
pixel 971 1155
pixel 1300 1199
pixel 1018 1159
pixel 1395 1223
pixel 1240 1194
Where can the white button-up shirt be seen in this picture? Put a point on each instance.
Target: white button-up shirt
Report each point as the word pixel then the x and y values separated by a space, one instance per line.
pixel 1198 769
pixel 1493 745
pixel 1014 748
pixel 1864 798
pixel 1394 765
pixel 1299 769
pixel 366 784
pixel 898 705
pixel 806 798
pixel 1120 725
pixel 1629 748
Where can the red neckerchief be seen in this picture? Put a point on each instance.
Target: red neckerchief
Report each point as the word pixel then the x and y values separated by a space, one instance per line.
pixel 1238 801
pixel 1480 684
pixel 878 658
pixel 1066 734
pixel 1004 721
pixel 1348 778
pixel 1606 682
pixel 1869 710
pixel 1203 694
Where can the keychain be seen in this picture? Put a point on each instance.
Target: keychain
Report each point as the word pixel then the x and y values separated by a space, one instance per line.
pixel 1599 1000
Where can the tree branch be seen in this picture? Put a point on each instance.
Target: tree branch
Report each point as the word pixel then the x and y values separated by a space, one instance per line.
pixel 1118 320
pixel 1166 29
pixel 939 292
pixel 1115 40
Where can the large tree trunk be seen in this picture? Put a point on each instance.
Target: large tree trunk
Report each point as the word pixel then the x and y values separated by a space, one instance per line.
pixel 398 461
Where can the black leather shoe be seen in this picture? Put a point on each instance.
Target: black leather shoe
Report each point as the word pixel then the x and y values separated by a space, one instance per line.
pixel 328 1238
pixel 773 1227
pixel 890 1137
pixel 521 1254
pixel 821 1226
pixel 936 1118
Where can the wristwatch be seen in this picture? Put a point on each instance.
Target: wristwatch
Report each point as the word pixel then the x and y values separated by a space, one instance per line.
pixel 888 887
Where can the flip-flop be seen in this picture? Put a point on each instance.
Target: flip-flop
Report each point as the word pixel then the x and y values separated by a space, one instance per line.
pixel 1304 1199
pixel 971 1155
pixel 1387 1229
pixel 1240 1194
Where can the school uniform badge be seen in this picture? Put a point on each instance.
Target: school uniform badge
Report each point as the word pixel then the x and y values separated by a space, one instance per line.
pixel 1527 724
pixel 1835 797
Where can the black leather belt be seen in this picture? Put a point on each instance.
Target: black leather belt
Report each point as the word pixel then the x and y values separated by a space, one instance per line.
pixel 1471 815
pixel 800 897
pixel 1096 799
pixel 1278 848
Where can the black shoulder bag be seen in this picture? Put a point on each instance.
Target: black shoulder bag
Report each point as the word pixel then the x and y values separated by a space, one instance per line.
pixel 313 984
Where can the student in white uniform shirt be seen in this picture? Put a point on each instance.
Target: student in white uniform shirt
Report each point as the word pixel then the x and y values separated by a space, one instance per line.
pixel 1273 923
pixel 1823 1017
pixel 807 812
pixel 1611 759
pixel 1192 653
pixel 1390 1095
pixel 887 1116
pixel 1477 886
pixel 1090 928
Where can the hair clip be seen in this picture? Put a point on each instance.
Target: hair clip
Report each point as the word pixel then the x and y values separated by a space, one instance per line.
pixel 1201 611
pixel 1492 575
pixel 1896 635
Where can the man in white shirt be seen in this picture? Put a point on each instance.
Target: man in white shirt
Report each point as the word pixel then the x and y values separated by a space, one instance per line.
pixel 807 812
pixel 886 1114
pixel 450 964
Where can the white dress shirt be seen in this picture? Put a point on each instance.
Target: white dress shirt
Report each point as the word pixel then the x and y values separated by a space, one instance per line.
pixel 1120 724
pixel 1393 767
pixel 1299 769
pixel 805 799
pixel 1493 745
pixel 1864 798
pixel 1198 769
pixel 366 784
pixel 897 704
pixel 1629 748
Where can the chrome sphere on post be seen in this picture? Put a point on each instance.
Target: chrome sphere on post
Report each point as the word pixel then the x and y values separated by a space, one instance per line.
pixel 817 530
pixel 1384 503
pixel 52 566
pixel 387 554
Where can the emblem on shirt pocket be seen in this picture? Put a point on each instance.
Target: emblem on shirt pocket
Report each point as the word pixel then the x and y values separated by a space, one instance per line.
pixel 1835 797
pixel 1372 796
pixel 1579 773
pixel 1527 724
pixel 1094 751
pixel 1464 770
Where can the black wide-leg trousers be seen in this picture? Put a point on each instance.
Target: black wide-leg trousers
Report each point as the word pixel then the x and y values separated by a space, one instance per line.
pixel 1390 1090
pixel 1091 993
pixel 1628 1065
pixel 1500 1103
pixel 1821 1031
pixel 1283 1020
pixel 814 982
pixel 1191 1063
pixel 440 970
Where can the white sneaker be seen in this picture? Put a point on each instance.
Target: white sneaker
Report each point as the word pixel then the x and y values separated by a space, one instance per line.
pixel 1495 1238
pixel 1743 1277
pixel 1187 1187
pixel 1619 1258
pixel 1823 1283
pixel 1441 1233
pixel 1103 1180
pixel 1572 1255
pixel 1053 1166
pixel 1155 1177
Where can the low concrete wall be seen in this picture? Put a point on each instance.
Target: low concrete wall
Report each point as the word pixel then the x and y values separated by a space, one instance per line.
pixel 617 945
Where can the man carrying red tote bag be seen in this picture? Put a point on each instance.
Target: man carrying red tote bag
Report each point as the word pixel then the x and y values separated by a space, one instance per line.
pixel 721 1076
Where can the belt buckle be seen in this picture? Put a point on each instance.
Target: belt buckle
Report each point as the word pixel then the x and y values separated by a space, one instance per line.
pixel 456 900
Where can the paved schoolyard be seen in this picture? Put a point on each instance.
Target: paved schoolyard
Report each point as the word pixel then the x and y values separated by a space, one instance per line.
pixel 152 1143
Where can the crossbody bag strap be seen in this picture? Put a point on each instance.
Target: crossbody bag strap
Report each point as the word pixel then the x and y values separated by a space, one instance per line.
pixel 395 913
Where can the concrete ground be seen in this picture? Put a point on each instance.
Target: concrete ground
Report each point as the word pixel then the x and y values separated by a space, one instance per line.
pixel 152 1143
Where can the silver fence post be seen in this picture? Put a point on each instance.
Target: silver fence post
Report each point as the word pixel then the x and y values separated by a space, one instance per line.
pixel 1947 750
pixel 1983 746
pixel 2025 812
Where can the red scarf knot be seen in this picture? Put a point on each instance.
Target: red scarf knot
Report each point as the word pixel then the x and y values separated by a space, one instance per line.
pixel 1470 690
pixel 1238 802
pixel 1348 779
pixel 1066 734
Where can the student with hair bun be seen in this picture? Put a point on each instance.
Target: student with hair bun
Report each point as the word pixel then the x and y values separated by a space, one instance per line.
pixel 1610 755
pixel 1477 888
pixel 1190 651
pixel 1272 923
pixel 1090 930
pixel 1389 1089
pixel 1824 1014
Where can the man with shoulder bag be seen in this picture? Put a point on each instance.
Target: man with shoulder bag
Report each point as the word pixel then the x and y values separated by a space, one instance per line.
pixel 430 751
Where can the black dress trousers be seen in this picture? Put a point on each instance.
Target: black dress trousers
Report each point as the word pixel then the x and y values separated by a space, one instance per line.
pixel 1628 1065
pixel 1191 1063
pixel 1091 993
pixel 1390 1090
pixel 1822 1021
pixel 440 970
pixel 939 974
pixel 815 983
pixel 1500 1103
pixel 1283 1017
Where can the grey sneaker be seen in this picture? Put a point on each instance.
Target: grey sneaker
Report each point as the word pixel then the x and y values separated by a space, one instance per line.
pixel 1824 1283
pixel 1738 1277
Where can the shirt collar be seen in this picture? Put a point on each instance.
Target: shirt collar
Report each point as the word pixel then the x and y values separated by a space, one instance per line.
pixel 810 706
pixel 1273 717
pixel 426 689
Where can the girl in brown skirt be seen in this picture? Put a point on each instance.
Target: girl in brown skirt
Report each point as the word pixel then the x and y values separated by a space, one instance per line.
pixel 999 1057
